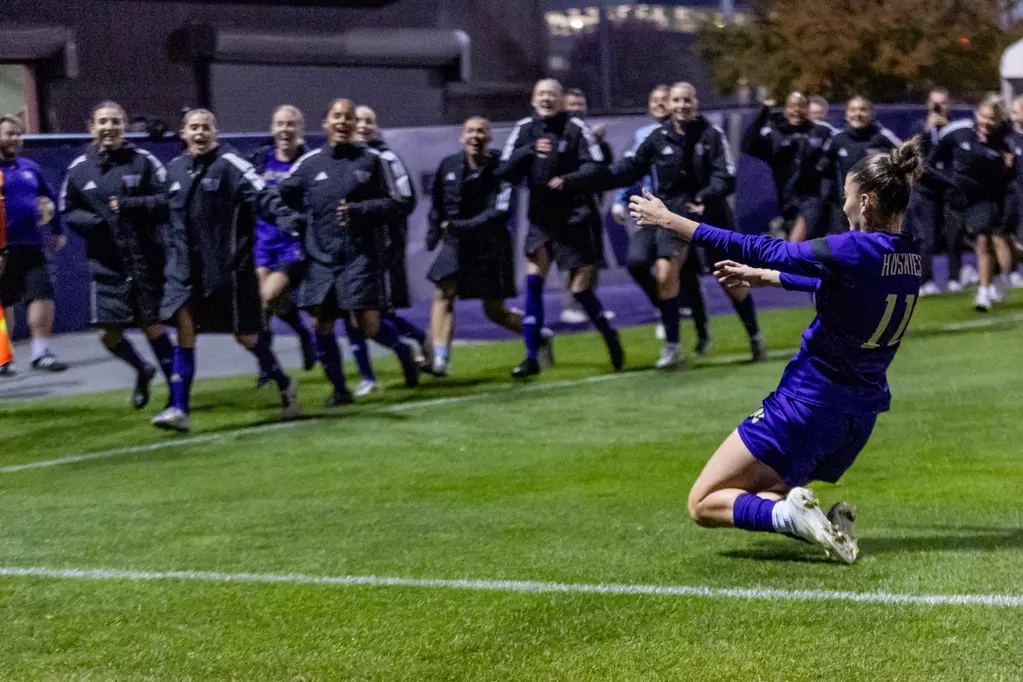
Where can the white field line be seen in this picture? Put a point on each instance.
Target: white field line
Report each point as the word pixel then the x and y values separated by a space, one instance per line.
pixel 417 404
pixel 522 586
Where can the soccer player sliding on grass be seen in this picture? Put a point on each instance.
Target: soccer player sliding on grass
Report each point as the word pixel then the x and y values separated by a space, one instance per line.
pixel 814 425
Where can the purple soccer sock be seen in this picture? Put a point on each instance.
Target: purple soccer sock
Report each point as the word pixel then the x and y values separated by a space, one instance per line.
pixel 406 328
pixel 753 513
pixel 532 323
pixel 164 351
pixel 670 319
pixel 181 379
pixel 360 349
pixel 329 355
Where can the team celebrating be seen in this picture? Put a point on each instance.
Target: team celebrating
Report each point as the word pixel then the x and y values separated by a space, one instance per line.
pixel 216 243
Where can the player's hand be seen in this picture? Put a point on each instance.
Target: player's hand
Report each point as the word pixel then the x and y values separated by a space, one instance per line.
pixel 45 209
pixel 445 225
pixel 620 213
pixel 734 275
pixel 599 131
pixel 695 209
pixel 58 242
pixel 557 184
pixel 543 147
pixel 344 212
pixel 648 209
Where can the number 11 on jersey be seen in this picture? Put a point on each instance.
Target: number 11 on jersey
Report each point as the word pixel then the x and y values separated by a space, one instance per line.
pixel 886 320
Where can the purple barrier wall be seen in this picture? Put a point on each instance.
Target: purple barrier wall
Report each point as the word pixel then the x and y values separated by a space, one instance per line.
pixel 422 149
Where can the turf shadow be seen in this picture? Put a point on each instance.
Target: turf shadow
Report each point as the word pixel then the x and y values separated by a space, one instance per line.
pixel 969 539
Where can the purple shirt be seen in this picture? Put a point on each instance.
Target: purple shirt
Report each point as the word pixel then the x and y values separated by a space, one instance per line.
pixel 23 185
pixel 869 283
pixel 267 234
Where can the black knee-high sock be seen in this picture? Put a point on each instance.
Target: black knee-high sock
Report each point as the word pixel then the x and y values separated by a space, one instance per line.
pixel 164 351
pixel 748 314
pixel 291 318
pixel 641 274
pixel 694 297
pixel 125 351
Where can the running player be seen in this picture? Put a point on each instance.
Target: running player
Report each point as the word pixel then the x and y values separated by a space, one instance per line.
pixel 279 256
pixel 347 199
pixel 29 205
pixel 560 160
pixel 973 157
pixel 367 132
pixel 215 196
pixel 469 218
pixel 823 412
pixel 114 197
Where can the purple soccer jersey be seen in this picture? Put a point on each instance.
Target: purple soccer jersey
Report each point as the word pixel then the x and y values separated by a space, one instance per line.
pixel 275 249
pixel 869 283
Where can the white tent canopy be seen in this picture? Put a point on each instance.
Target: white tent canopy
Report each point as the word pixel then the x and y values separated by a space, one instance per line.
pixel 1012 70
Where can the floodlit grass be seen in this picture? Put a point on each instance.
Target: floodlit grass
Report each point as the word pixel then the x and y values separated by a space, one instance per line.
pixel 581 482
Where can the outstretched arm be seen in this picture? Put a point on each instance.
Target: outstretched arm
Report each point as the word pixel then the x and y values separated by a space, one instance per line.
pixel 734 275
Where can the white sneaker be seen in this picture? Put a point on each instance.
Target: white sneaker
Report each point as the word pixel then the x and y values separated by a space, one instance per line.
pixel 1000 289
pixel 1016 280
pixel 982 304
pixel 955 286
pixel 659 332
pixel 610 315
pixel 968 276
pixel 366 387
pixel 289 401
pixel 671 357
pixel 929 289
pixel 573 316
pixel 810 524
pixel 440 366
pixel 173 419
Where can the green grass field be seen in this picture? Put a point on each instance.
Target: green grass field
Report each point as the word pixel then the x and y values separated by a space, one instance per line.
pixel 572 480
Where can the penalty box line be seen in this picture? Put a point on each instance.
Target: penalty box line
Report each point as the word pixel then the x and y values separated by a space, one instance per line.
pixel 520 586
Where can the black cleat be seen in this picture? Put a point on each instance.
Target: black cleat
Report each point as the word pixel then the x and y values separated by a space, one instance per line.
pixel 7 370
pixel 140 396
pixel 525 369
pixel 48 362
pixel 308 351
pixel 615 350
pixel 759 349
pixel 410 367
pixel 702 346
pixel 339 398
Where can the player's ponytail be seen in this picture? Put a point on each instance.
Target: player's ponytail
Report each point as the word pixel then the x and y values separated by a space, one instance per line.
pixel 890 176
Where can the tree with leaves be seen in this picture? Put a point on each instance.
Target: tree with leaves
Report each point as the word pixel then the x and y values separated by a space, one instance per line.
pixel 887 50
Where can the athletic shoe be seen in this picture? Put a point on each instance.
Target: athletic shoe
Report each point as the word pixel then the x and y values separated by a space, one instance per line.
pixel 308 351
pixel 7 370
pixel 338 398
pixel 289 400
pixel 173 419
pixel 810 524
pixel 843 517
pixel 545 353
pixel 671 357
pixel 1016 280
pixel 659 333
pixel 366 387
pixel 615 350
pixel 440 367
pixel 140 396
pixel 1000 289
pixel 982 303
pixel 702 346
pixel 262 381
pixel 525 369
pixel 955 287
pixel 929 289
pixel 573 316
pixel 48 362
pixel 968 276
pixel 758 349
pixel 685 313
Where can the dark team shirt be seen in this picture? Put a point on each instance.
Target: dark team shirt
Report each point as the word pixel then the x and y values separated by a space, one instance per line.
pixel 845 149
pixel 23 185
pixel 978 171
pixel 869 283
pixel 790 150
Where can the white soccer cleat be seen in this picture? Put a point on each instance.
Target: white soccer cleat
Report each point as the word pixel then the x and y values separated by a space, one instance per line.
pixel 843 517
pixel 440 367
pixel 173 419
pixel 573 316
pixel 982 303
pixel 671 357
pixel 955 287
pixel 289 401
pixel 366 387
pixel 810 524
pixel 1016 280
pixel 1000 289
pixel 659 332
pixel 929 289
pixel 968 276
